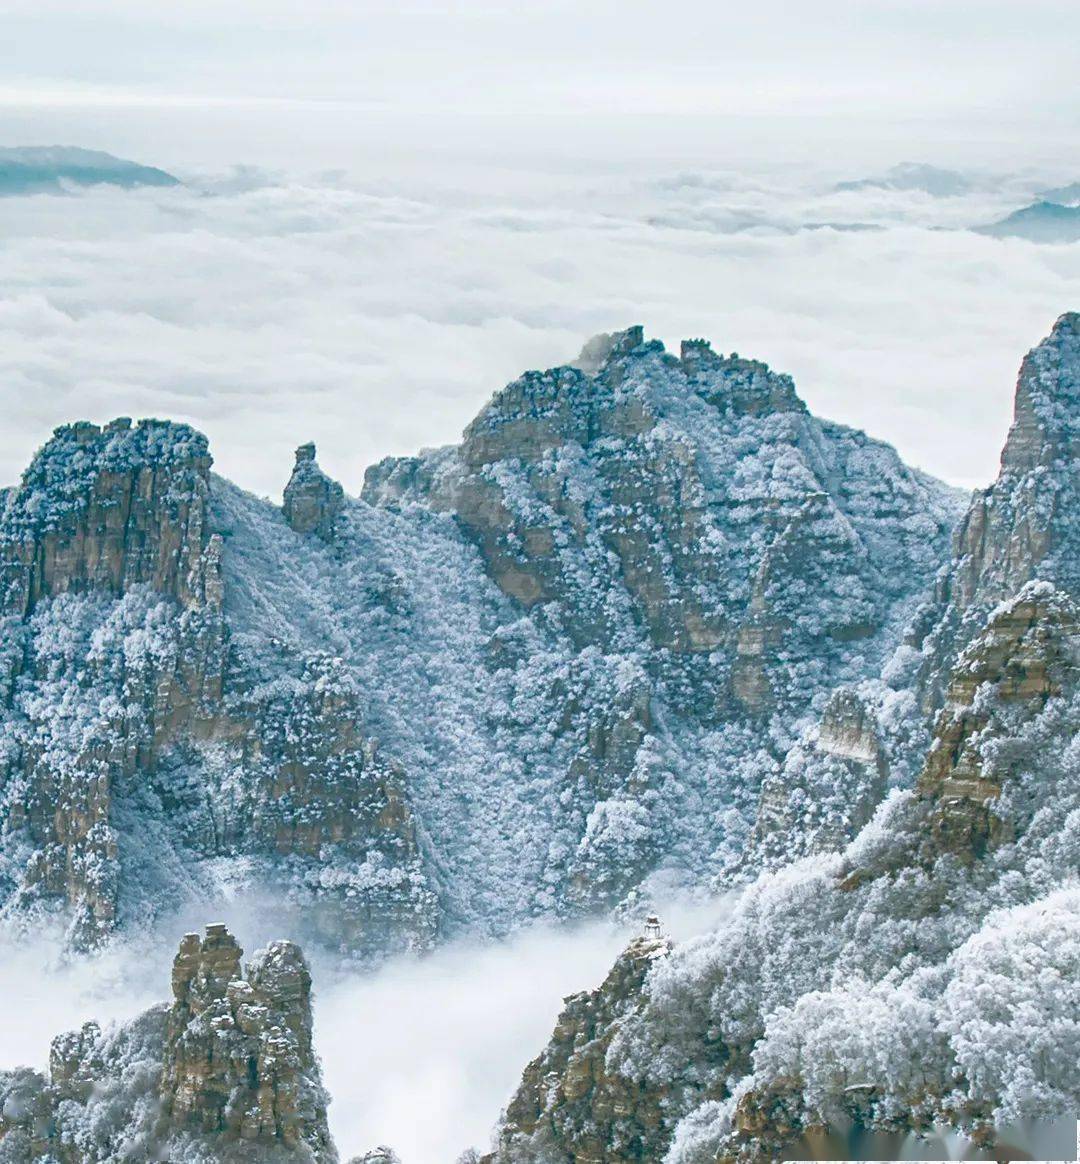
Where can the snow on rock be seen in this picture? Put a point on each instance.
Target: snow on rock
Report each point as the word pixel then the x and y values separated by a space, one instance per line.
pixel 224 1073
pixel 517 679
pixel 918 974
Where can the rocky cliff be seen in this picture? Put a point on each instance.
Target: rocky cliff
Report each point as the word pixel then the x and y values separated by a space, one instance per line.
pixel 569 1106
pixel 226 1072
pixel 917 966
pixel 520 677
pixel 1022 527
pixel 133 728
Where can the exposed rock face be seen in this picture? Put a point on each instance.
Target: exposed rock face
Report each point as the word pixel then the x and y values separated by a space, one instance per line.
pixel 238 1057
pixel 101 512
pixel 1027 655
pixel 1023 526
pixel 724 553
pixel 128 712
pixel 570 1107
pixel 226 1073
pixel 107 509
pixel 522 675
pixel 829 786
pixel 312 502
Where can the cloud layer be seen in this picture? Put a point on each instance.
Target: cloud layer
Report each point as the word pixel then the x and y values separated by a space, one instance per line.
pixel 377 315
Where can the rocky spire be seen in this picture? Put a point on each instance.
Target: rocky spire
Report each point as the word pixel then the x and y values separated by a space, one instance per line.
pixel 226 1073
pixel 238 1059
pixel 312 501
pixel 1046 423
pixel 1024 526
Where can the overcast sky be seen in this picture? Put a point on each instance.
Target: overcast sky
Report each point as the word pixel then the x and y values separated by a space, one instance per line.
pixel 509 178
pixel 580 69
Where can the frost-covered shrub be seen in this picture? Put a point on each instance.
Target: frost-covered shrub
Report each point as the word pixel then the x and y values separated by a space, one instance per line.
pixel 1011 1009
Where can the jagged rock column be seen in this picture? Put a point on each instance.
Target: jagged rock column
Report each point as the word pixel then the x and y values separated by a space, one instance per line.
pixel 226 1073
pixel 238 1059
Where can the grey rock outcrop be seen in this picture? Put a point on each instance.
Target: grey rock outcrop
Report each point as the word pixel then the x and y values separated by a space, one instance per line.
pixel 570 1107
pixel 107 509
pixel 1023 526
pixel 312 501
pixel 238 1057
pixel 688 515
pixel 829 785
pixel 593 491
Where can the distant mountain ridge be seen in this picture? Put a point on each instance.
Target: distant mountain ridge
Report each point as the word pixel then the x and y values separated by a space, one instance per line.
pixel 50 169
pixel 934 180
pixel 1067 195
pixel 1042 221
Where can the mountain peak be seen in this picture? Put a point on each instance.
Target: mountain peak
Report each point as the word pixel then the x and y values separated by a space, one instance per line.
pixel 108 506
pixel 53 169
pixel 1046 424
pixel 737 385
pixel 607 346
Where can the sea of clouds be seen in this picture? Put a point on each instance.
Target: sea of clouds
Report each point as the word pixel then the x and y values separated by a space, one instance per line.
pixel 375 312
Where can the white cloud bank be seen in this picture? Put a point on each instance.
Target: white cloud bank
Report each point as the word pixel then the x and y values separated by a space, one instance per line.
pixel 376 316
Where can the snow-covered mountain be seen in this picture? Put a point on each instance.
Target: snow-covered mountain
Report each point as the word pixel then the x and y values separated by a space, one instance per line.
pixel 530 675
pixel 649 621
pixel 924 974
